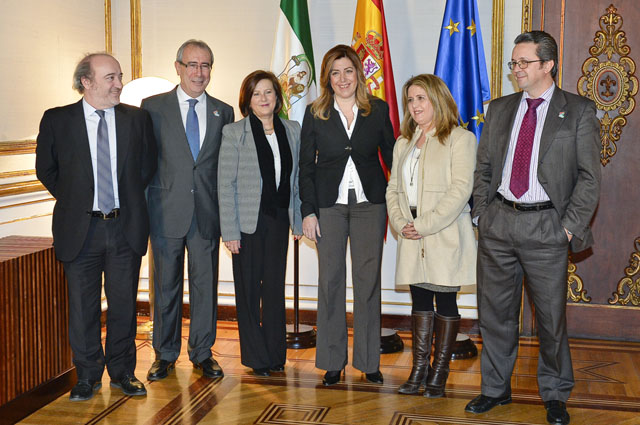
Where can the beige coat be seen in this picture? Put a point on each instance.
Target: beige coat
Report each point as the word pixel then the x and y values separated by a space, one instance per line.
pixel 446 255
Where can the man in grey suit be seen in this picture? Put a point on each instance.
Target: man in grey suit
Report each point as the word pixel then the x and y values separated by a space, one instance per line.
pixel 183 211
pixel 537 184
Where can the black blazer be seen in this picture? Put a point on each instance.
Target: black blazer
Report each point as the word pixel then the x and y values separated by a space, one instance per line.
pixel 63 165
pixel 325 149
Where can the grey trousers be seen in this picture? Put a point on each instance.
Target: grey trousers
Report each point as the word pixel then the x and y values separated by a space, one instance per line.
pixel 364 225
pixel 168 255
pixel 513 244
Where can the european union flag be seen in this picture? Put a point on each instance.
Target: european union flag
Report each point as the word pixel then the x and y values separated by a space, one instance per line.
pixel 461 64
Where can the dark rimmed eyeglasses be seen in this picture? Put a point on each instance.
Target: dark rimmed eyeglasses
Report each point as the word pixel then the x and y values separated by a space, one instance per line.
pixel 523 64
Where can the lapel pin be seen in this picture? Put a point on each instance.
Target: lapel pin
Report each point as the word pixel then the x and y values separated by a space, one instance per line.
pixel 561 114
pixel 217 113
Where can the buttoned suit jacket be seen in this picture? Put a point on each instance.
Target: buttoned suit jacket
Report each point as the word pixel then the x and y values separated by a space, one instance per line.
pixel 325 149
pixel 64 166
pixel 182 186
pixel 240 181
pixel 568 164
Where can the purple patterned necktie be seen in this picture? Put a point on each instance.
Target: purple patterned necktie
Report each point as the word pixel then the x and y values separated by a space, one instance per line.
pixel 522 157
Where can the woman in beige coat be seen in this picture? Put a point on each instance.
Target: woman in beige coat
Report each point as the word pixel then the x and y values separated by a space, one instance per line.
pixel 427 201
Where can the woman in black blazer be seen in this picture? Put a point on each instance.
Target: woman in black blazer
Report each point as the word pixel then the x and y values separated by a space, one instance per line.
pixel 342 188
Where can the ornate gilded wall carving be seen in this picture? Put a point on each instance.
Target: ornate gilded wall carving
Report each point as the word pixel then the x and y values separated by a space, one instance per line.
pixel 608 79
pixel 628 291
pixel 575 286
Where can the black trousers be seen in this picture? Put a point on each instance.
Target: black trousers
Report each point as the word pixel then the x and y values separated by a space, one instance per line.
pixel 105 250
pixel 259 273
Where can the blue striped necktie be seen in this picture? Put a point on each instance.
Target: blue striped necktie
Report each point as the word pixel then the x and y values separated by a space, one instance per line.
pixel 106 200
pixel 193 129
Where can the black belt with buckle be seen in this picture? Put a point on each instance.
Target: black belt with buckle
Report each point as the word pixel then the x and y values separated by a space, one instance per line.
pixel 539 206
pixel 99 214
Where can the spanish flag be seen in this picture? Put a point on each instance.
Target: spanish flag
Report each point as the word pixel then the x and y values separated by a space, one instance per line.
pixel 371 43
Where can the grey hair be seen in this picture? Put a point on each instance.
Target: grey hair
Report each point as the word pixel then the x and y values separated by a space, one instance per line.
pixel 197 43
pixel 546 47
pixel 83 70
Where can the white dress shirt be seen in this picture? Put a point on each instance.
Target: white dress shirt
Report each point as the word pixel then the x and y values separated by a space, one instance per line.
pixel 201 110
pixel 92 119
pixel 350 178
pixel 536 192
pixel 277 164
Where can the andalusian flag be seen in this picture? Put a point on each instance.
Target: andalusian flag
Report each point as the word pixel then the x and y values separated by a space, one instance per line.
pixel 292 59
pixel 372 44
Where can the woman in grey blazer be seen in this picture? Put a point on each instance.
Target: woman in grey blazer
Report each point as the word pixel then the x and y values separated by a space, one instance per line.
pixel 259 202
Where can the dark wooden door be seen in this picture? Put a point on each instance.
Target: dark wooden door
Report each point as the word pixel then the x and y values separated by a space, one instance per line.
pixel 599 47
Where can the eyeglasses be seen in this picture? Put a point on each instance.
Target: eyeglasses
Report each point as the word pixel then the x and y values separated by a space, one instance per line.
pixel 193 66
pixel 523 64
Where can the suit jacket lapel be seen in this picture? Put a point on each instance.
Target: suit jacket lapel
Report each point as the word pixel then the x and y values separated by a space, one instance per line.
pixel 509 113
pixel 359 123
pixel 123 123
pixel 334 119
pixel 214 121
pixel 553 120
pixel 174 117
pixel 81 140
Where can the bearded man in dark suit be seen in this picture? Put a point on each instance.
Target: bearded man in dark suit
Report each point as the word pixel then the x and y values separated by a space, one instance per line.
pixel 96 158
pixel 537 184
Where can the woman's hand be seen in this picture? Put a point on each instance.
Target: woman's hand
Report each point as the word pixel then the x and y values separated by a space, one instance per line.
pixel 311 228
pixel 410 232
pixel 233 246
pixel 297 237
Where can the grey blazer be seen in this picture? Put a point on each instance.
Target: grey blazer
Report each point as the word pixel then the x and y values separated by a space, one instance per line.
pixel 568 164
pixel 182 186
pixel 240 182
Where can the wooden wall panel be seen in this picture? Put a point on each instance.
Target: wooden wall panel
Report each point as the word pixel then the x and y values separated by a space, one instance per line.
pixel 33 316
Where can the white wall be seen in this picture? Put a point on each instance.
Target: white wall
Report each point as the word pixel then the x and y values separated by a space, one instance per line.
pixel 54 35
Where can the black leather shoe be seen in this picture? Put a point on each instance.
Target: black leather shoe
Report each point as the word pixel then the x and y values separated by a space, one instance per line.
pixel 331 377
pixel 160 369
pixel 210 368
pixel 484 403
pixel 375 377
pixel 129 385
pixel 557 412
pixel 277 368
pixel 84 389
pixel 261 371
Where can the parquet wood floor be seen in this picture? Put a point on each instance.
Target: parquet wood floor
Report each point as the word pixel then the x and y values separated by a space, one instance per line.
pixel 607 392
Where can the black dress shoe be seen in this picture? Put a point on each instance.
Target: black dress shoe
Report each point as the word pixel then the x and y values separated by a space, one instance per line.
pixel 331 377
pixel 264 371
pixel 160 369
pixel 129 385
pixel 557 412
pixel 277 368
pixel 84 389
pixel 210 368
pixel 375 377
pixel 484 403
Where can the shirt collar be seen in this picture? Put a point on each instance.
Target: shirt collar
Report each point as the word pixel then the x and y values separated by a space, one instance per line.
pixel 546 95
pixel 89 110
pixel 337 108
pixel 183 97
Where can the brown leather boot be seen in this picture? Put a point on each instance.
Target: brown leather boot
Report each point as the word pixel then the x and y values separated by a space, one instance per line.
pixel 445 330
pixel 422 333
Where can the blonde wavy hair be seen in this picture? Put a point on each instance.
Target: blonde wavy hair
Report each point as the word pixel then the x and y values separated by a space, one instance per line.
pixel 445 111
pixel 321 107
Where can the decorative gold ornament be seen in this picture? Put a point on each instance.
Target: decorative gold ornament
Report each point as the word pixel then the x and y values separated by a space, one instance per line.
pixel 610 82
pixel 633 287
pixel 579 294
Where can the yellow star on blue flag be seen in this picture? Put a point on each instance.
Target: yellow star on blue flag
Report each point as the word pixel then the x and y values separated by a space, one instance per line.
pixel 461 62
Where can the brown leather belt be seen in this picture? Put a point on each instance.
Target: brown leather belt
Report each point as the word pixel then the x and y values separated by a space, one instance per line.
pixel 99 214
pixel 539 206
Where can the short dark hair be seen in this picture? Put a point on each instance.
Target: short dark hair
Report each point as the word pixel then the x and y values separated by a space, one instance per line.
pixel 546 47
pixel 249 85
